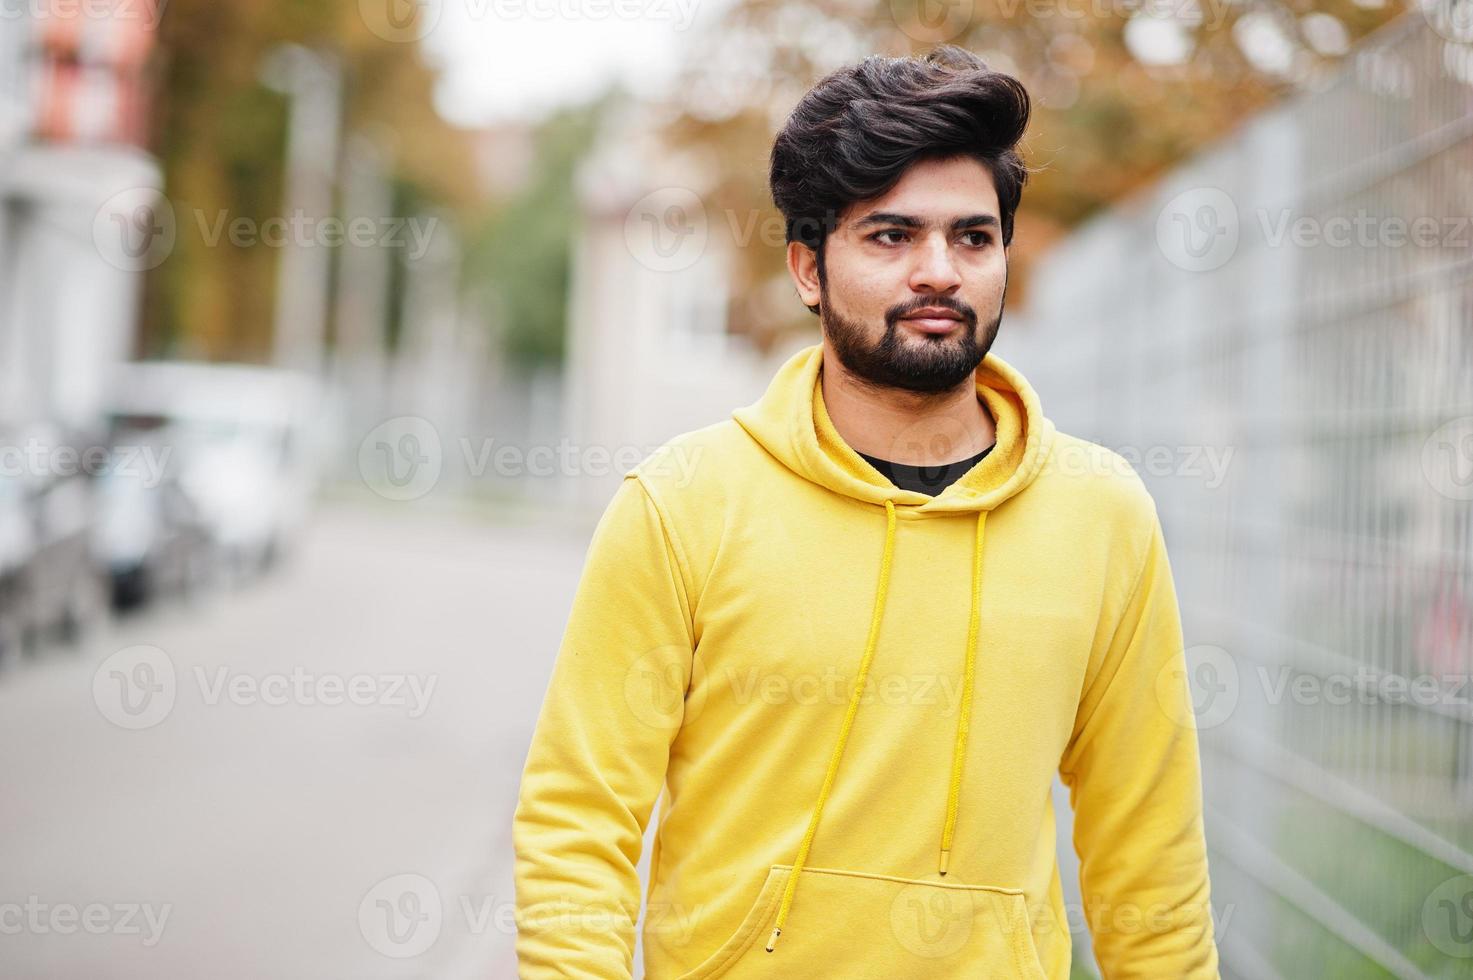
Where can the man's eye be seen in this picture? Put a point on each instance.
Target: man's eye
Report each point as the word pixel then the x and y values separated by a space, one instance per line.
pixel 976 239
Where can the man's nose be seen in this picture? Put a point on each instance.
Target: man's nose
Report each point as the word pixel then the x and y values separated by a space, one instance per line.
pixel 935 269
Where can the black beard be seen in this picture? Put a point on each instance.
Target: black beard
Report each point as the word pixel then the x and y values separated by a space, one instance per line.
pixel 933 365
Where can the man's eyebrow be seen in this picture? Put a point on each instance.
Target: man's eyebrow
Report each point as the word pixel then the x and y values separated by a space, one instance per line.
pixel 910 221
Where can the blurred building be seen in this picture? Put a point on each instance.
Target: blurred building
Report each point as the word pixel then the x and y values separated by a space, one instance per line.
pixel 650 352
pixel 1279 338
pixel 505 155
pixel 78 223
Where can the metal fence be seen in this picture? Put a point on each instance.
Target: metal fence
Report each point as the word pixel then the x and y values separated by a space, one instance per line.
pixel 1279 337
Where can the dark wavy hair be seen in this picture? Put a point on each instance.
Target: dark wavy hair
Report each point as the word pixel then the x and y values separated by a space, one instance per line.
pixel 853 135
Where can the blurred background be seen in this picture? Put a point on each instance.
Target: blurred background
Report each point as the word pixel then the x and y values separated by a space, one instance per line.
pixel 328 327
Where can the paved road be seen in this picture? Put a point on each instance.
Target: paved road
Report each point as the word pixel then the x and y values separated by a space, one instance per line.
pixel 283 781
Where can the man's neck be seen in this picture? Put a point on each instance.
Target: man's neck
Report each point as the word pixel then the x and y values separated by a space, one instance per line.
pixel 905 426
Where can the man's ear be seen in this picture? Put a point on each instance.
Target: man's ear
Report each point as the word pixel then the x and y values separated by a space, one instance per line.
pixel 803 267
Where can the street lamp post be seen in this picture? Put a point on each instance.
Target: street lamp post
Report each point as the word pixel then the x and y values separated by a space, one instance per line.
pixel 312 82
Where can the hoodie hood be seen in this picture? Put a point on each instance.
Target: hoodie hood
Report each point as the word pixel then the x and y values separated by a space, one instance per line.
pixel 791 422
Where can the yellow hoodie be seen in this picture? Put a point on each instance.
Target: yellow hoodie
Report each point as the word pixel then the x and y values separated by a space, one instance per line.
pixel 855 698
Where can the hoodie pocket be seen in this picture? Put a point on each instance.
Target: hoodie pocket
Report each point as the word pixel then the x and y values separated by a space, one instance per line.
pixel 864 926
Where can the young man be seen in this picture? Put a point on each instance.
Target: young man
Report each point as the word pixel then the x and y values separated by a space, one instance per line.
pixel 889 604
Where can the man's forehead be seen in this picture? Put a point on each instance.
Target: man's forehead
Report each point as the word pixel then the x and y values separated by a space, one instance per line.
pixel 924 219
pixel 932 198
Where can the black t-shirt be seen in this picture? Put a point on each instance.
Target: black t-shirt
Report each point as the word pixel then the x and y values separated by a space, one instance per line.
pixel 927 479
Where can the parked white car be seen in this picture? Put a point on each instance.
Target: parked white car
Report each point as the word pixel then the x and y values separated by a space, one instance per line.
pixel 242 441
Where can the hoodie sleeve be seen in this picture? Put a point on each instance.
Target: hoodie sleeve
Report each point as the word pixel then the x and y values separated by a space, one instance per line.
pixel 1132 769
pixel 599 753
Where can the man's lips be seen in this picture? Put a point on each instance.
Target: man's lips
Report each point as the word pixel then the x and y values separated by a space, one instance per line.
pixel 933 320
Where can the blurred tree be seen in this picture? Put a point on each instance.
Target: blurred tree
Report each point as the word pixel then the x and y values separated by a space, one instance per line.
pixel 523 252
pixel 1123 90
pixel 220 135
